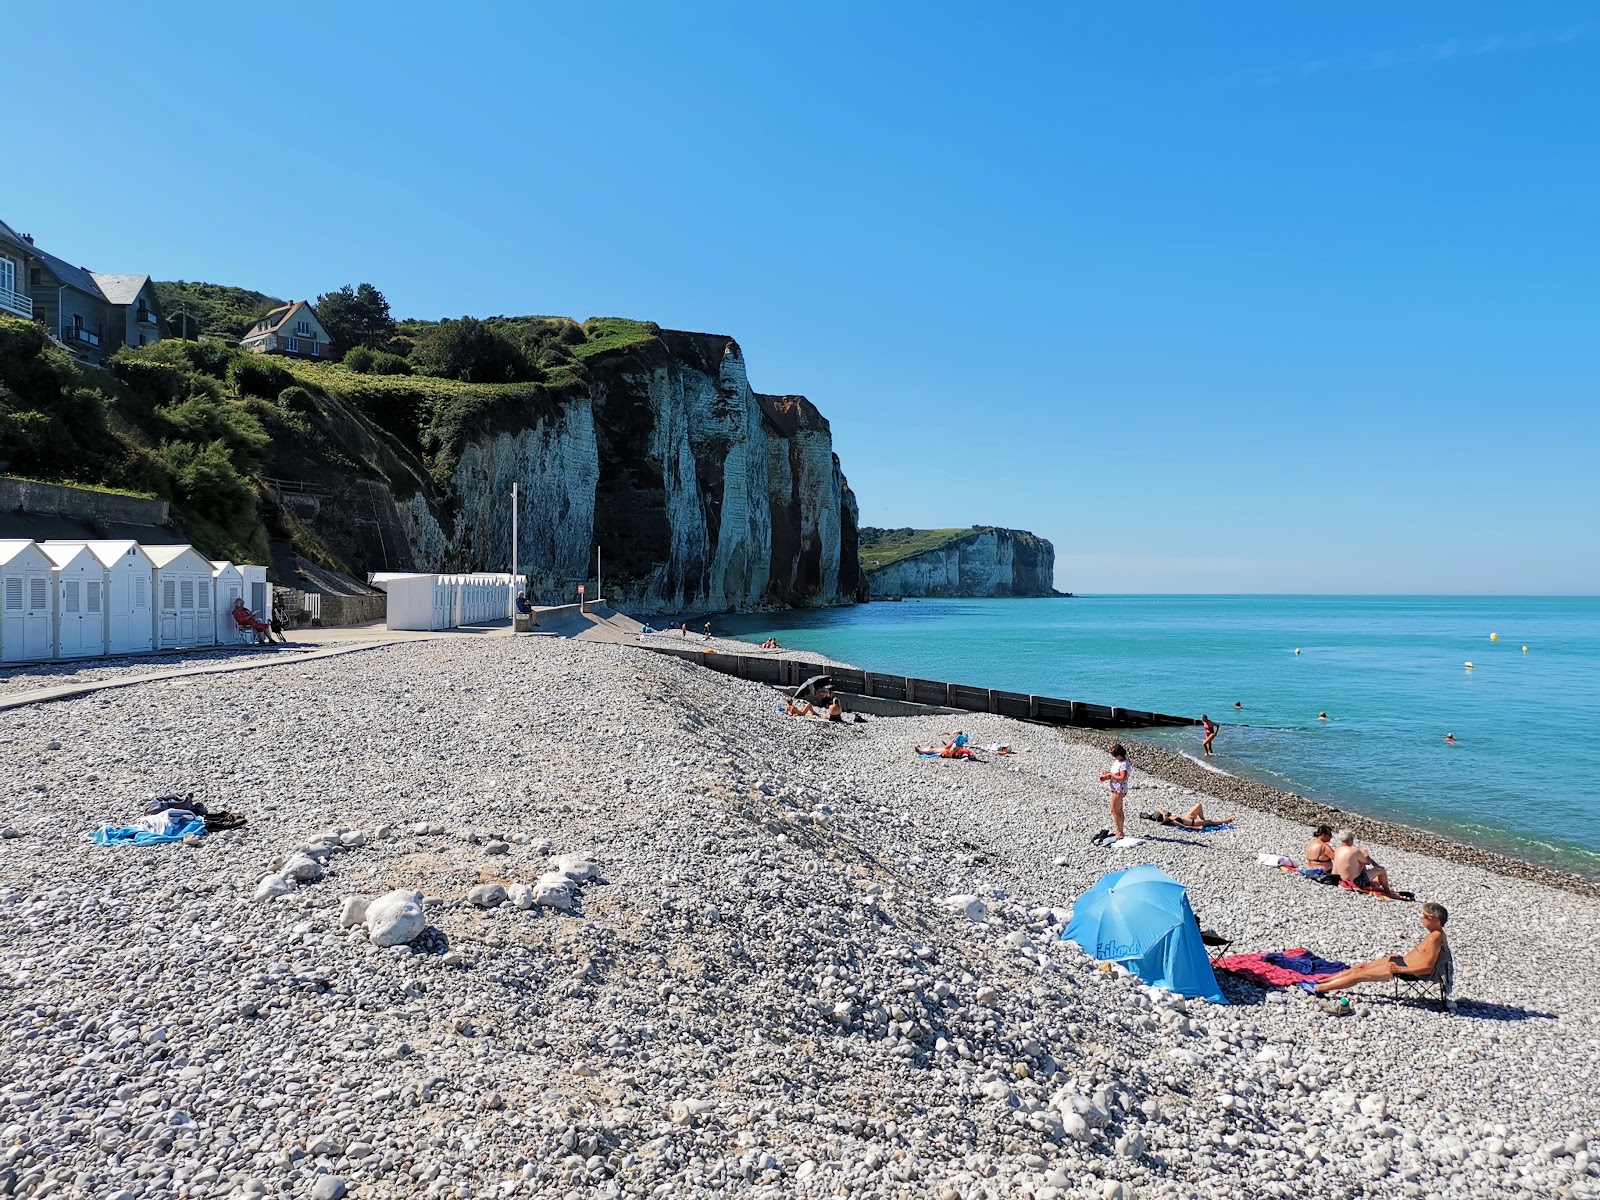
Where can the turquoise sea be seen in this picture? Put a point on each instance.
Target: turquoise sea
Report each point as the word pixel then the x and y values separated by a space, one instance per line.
pixel 1523 776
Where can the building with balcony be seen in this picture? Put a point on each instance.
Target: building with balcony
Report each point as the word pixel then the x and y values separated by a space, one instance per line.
pixel 16 251
pixel 291 329
pixel 92 315
pixel 134 311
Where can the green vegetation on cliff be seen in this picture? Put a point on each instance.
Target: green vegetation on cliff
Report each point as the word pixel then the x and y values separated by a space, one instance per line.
pixel 880 547
pixel 193 310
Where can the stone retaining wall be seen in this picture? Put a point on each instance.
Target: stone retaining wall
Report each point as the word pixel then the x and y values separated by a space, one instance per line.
pixel 60 500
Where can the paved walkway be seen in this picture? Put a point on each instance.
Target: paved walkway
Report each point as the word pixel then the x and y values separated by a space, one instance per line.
pixel 312 644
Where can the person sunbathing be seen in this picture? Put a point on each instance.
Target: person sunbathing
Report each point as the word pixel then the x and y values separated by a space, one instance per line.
pixel 1319 850
pixel 948 750
pixel 1418 962
pixel 1356 866
pixel 770 644
pixel 803 709
pixel 1195 818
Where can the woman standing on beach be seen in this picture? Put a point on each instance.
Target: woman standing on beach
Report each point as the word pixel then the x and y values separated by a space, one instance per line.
pixel 1117 779
pixel 1210 727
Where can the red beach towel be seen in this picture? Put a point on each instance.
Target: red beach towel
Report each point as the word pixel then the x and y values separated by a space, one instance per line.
pixel 1258 970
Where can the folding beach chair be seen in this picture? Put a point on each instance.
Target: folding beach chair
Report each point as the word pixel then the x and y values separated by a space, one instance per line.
pixel 1436 984
pixel 1216 945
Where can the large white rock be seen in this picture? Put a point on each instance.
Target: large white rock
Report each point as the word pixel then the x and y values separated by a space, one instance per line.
pixel 302 868
pixel 273 886
pixel 395 918
pixel 353 911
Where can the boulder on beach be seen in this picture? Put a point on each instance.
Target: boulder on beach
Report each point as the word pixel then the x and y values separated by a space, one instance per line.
pixel 395 918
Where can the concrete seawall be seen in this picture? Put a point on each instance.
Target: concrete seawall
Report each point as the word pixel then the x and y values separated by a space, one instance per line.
pixel 83 504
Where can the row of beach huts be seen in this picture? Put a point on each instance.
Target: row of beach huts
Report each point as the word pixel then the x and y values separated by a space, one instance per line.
pixel 70 600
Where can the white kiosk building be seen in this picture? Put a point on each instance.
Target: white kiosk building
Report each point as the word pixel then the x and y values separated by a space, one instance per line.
pixel 79 582
pixel 182 589
pixel 27 603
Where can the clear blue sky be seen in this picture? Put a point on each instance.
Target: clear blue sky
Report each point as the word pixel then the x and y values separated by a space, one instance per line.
pixel 1219 298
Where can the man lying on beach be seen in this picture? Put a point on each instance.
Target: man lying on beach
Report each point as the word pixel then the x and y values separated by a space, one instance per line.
pixel 1419 962
pixel 1357 867
pixel 955 747
pixel 1195 818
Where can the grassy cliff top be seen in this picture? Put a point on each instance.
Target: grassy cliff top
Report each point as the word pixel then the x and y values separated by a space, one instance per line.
pixel 884 547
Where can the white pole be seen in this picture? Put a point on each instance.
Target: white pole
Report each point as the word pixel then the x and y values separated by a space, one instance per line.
pixel 599 592
pixel 513 596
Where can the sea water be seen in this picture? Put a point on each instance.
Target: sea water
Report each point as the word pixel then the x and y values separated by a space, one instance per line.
pixel 1391 673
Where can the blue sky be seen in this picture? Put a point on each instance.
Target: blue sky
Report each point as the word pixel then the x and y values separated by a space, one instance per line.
pixel 1218 298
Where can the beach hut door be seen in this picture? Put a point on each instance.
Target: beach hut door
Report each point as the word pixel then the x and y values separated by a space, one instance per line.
pixel 169 612
pixel 25 610
pixel 186 613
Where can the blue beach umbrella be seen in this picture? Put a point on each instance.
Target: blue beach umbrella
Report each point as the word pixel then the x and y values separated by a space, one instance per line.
pixel 1141 918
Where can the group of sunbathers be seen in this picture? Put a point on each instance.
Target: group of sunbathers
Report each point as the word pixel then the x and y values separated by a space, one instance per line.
pixel 1335 856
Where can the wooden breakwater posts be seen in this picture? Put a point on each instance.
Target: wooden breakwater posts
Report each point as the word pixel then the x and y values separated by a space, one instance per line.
pixel 784 672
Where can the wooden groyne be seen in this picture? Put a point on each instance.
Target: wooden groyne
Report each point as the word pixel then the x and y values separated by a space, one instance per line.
pixel 905 689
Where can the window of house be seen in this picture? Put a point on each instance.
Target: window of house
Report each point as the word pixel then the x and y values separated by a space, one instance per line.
pixel 303 328
pixel 8 275
pixel 34 276
pixel 294 345
pixel 141 339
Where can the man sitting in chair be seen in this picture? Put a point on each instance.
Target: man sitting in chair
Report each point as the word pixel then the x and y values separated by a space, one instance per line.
pixel 1418 964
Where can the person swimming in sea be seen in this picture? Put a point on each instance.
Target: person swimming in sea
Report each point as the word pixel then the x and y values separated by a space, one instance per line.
pixel 1322 716
pixel 1451 738
pixel 1236 704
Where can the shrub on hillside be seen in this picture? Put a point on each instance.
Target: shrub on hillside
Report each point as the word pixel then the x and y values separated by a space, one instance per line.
pixel 202 418
pixel 297 399
pixel 472 351
pixel 204 478
pixel 359 359
pixel 255 375
pixel 376 362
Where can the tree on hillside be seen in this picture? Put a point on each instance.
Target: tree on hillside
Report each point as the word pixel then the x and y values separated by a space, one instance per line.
pixel 473 351
pixel 356 316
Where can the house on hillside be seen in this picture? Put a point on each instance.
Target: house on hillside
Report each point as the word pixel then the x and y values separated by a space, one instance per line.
pixel 16 252
pixel 92 314
pixel 134 310
pixel 291 329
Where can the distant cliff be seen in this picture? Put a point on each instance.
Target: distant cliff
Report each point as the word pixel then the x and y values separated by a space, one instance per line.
pixel 981 561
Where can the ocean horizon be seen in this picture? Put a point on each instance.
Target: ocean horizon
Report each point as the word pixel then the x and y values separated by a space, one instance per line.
pixel 1389 671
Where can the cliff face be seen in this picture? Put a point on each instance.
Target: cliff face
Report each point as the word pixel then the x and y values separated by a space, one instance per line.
pixel 701 493
pixel 985 562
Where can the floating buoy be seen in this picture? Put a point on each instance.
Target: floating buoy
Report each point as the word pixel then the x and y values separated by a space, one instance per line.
pixel 1494 637
pixel 1469 666
pixel 1297 649
pixel 1524 649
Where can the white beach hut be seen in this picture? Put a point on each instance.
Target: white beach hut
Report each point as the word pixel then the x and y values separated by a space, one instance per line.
pixel 257 594
pixel 128 596
pixel 182 589
pixel 27 603
pixel 227 585
pixel 78 580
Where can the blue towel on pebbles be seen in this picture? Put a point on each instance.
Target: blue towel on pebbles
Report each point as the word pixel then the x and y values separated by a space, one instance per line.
pixel 156 833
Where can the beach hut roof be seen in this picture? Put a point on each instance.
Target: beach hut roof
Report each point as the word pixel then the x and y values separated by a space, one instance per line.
pixel 165 556
pixel 13 548
pixel 110 550
pixel 62 553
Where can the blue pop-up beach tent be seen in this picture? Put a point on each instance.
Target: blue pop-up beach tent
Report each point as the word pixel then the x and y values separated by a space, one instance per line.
pixel 1141 918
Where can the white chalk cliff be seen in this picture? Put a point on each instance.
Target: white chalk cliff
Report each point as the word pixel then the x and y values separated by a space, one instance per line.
pixel 987 562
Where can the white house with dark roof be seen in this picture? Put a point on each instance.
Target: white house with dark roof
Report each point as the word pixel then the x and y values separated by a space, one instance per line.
pixel 291 329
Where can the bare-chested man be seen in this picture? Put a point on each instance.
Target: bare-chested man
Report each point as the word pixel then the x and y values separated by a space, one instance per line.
pixel 1356 866
pixel 1419 962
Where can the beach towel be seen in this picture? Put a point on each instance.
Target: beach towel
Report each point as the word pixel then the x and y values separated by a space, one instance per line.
pixel 1126 843
pixel 1346 885
pixel 172 825
pixel 995 747
pixel 1281 968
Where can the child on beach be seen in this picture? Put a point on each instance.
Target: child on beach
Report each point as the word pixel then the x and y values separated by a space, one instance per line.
pixel 1117 779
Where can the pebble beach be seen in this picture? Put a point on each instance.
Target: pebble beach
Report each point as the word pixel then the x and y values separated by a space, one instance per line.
pixel 674 943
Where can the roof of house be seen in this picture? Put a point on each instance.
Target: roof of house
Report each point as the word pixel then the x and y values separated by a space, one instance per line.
pixel 112 551
pixel 11 548
pixel 120 289
pixel 278 317
pixel 11 237
pixel 73 277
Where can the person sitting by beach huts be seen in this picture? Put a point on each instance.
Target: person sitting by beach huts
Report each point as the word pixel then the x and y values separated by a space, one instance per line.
pixel 1194 818
pixel 248 622
pixel 1417 963
pixel 1319 850
pixel 1358 868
